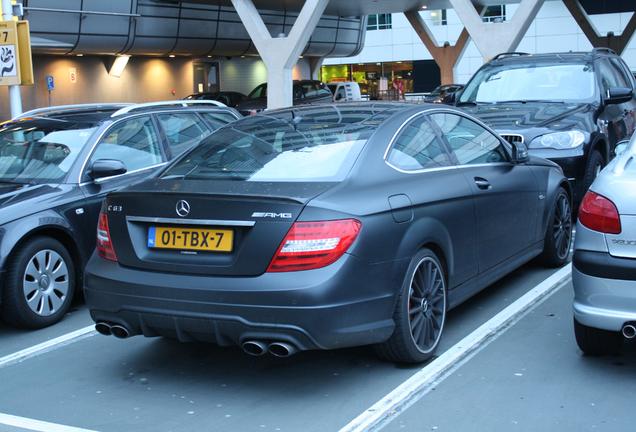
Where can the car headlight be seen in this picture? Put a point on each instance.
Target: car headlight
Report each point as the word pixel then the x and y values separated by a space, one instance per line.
pixel 559 140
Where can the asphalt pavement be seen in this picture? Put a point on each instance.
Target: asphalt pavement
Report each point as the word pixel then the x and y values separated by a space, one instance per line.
pixel 106 384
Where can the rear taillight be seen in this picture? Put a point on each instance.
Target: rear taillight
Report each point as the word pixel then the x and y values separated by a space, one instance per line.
pixel 311 245
pixel 599 214
pixel 104 244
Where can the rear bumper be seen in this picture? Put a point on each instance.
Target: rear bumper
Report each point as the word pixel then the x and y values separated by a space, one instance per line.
pixel 348 303
pixel 604 290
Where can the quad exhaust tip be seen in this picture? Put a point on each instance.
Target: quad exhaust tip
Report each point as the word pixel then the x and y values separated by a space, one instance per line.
pixel 629 331
pixel 259 348
pixel 254 348
pixel 103 328
pixel 281 349
pixel 119 332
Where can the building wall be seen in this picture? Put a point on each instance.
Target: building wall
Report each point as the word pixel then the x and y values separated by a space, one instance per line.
pixel 145 79
pixel 243 74
pixel 554 29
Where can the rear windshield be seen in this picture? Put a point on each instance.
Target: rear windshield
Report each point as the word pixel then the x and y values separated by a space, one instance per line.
pixel 318 145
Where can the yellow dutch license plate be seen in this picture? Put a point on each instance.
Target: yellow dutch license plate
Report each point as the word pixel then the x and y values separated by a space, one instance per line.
pixel 193 239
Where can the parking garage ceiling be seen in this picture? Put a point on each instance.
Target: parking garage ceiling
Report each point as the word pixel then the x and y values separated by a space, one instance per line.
pixel 356 8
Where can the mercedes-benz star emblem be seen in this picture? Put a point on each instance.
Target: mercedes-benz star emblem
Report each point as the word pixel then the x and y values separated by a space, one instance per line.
pixel 183 208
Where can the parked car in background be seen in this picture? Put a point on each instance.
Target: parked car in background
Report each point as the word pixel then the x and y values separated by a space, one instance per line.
pixel 304 92
pixel 322 227
pixel 572 108
pixel 443 94
pixel 56 165
pixel 604 272
pixel 348 91
pixel 231 99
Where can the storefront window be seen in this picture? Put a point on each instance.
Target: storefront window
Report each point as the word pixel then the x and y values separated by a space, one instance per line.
pixel 377 80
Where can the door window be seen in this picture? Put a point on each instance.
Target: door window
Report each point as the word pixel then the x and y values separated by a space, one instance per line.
pixel 217 119
pixel 418 147
pixel 610 77
pixel 182 130
pixel 625 80
pixel 470 143
pixel 134 142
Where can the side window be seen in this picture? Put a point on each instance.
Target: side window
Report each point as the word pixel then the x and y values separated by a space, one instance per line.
pixel 323 91
pixel 341 94
pixel 418 147
pixel 310 89
pixel 609 76
pixel 625 79
pixel 134 142
pixel 471 144
pixel 182 130
pixel 217 119
pixel 298 92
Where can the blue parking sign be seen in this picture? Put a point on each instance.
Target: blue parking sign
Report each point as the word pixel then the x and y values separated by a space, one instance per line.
pixel 50 82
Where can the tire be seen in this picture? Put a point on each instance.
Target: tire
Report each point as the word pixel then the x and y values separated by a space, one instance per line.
pixel 595 164
pixel 39 284
pixel 597 342
pixel 558 235
pixel 420 312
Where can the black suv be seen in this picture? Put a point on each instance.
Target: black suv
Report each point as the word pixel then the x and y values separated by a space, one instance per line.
pixel 572 108
pixel 56 165
pixel 305 92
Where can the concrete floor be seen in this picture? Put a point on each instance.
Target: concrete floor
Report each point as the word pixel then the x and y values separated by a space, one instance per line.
pixel 158 385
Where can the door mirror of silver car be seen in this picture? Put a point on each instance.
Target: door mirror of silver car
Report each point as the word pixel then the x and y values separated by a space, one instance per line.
pixel 106 168
pixel 519 153
pixel 621 147
pixel 618 95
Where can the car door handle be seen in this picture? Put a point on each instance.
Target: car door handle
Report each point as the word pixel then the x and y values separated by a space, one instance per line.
pixel 482 183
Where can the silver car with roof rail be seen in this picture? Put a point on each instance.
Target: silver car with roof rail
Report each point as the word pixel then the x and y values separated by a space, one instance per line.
pixel 604 271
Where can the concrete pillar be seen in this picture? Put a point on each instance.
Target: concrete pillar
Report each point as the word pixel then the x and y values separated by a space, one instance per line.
pixel 446 56
pixel 617 43
pixel 280 54
pixel 315 64
pixel 494 38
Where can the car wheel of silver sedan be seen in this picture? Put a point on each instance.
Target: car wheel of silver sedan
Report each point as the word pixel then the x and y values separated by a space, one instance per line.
pixel 40 284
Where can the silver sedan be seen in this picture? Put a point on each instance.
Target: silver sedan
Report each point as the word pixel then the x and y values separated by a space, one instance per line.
pixel 604 272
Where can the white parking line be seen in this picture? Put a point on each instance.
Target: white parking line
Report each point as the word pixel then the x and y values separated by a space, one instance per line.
pixel 37 425
pixel 414 388
pixel 47 346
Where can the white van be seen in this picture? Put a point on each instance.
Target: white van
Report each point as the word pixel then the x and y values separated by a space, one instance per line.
pixel 347 91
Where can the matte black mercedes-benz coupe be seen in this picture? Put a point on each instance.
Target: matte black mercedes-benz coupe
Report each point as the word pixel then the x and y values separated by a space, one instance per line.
pixel 323 227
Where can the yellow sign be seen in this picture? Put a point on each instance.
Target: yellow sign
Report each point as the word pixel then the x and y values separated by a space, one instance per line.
pixel 16 67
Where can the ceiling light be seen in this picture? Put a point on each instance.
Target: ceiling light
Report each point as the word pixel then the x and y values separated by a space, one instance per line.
pixel 171 56
pixel 118 66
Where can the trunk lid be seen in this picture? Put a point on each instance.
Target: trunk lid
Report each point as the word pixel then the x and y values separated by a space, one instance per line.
pixel 258 214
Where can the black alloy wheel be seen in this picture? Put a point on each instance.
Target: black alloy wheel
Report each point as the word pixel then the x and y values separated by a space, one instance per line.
pixel 420 312
pixel 558 239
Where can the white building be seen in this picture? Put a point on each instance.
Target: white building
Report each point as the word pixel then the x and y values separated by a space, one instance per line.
pixel 395 45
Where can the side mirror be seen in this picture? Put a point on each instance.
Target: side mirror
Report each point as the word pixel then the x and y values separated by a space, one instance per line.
pixel 519 153
pixel 621 147
pixel 618 95
pixel 106 168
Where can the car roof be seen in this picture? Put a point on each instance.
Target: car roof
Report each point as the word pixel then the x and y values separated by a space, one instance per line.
pixel 569 56
pixel 379 111
pixel 91 117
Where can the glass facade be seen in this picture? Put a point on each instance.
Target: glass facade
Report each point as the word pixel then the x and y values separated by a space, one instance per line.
pixel 389 80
